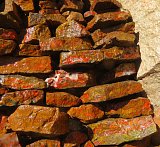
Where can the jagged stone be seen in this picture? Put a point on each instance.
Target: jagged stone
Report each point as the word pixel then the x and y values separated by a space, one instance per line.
pixel 89 144
pixel 48 11
pixel 48 5
pixel 8 34
pixel 3 90
pixel 3 125
pixel 75 16
pixel 38 119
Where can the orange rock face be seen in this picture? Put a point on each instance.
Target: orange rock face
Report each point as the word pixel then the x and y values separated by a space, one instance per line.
pixel 3 125
pixel 86 113
pixel 62 99
pixel 8 34
pixel 25 65
pixel 43 120
pixel 88 144
pixel 111 91
pixel 2 90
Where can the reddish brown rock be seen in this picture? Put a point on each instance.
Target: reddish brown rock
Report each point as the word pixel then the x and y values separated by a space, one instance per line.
pixel 76 16
pixel 75 139
pixel 89 144
pixel 21 82
pixel 129 108
pixel 3 125
pixel 68 44
pixel 86 113
pixel 7 46
pixel 49 4
pixel 29 50
pixel 2 90
pixel 63 80
pixel 71 5
pixel 38 119
pixel 22 97
pixel 71 29
pixel 26 5
pixel 116 131
pixel 111 91
pixel 89 15
pixel 25 65
pixel 36 33
pixel 48 11
pixel 62 99
pixel 108 19
pixel 80 57
pixel 116 38
pixel 8 34
pixel 9 140
pixel 45 143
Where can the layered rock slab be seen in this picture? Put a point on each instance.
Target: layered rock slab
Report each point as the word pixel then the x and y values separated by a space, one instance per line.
pixel 38 119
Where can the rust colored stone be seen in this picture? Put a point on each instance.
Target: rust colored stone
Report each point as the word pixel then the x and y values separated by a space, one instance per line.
pixel 21 82
pixel 75 138
pixel 22 97
pixel 2 90
pixel 89 14
pixel 36 33
pixel 76 16
pixel 8 34
pixel 48 11
pixel 89 144
pixel 64 80
pixel 62 99
pixel 111 91
pixel 45 143
pixel 129 108
pixel 86 113
pixel 116 131
pixel 108 19
pixel 26 5
pixel 25 65
pixel 116 38
pixel 7 46
pixel 38 119
pixel 9 140
pixel 29 50
pixel 67 44
pixel 80 57
pixel 71 29
pixel 48 5
pixel 3 125
pixel 71 5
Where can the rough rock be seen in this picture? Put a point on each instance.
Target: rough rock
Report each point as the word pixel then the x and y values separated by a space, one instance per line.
pixel 3 90
pixel 13 65
pixel 75 139
pixel 86 113
pixel 108 19
pixel 45 142
pixel 89 144
pixel 8 34
pixel 21 82
pixel 48 5
pixel 76 16
pixel 71 29
pixel 80 57
pixel 48 11
pixel 25 5
pixel 111 91
pixel 3 125
pixel 10 139
pixel 62 99
pixel 29 50
pixel 35 34
pixel 43 120
pixel 65 44
pixel 88 15
pixel 22 97
pixel 7 46
pixel 63 80
pixel 129 108
pixel 116 131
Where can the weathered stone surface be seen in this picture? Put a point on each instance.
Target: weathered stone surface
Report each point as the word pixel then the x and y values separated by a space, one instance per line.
pixel 7 46
pixel 88 144
pixel 29 50
pixel 89 15
pixel 117 131
pixel 111 91
pixel 75 139
pixel 75 16
pixel 8 34
pixel 13 65
pixel 62 99
pixel 86 113
pixel 48 11
pixel 68 44
pixel 129 108
pixel 21 82
pixel 22 97
pixel 10 139
pixel 108 19
pixel 26 5
pixel 45 143
pixel 2 90
pixel 71 29
pixel 80 57
pixel 71 5
pixel 63 80
pixel 43 120
pixel 48 5
pixel 3 125
pixel 36 33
